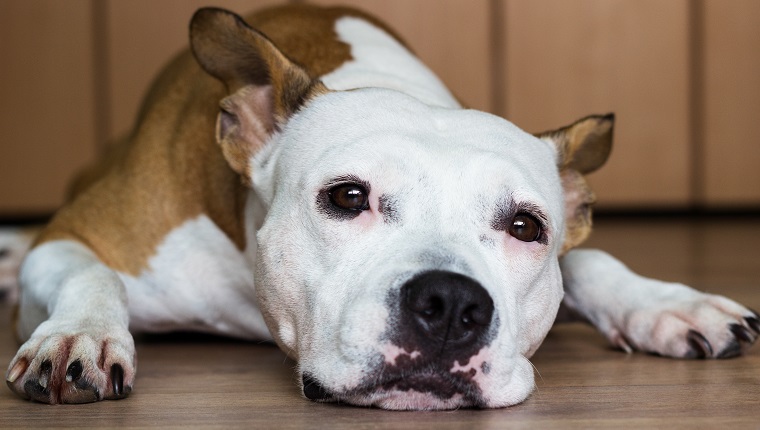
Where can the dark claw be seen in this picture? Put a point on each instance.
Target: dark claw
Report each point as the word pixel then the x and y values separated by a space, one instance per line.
pixel 741 333
pixel 117 382
pixel 754 324
pixel 700 347
pixel 734 349
pixel 45 368
pixel 74 372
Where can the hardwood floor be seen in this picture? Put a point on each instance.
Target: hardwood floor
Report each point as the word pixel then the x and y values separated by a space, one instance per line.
pixel 582 383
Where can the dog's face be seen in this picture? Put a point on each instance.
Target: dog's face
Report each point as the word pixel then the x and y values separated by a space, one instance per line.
pixel 408 256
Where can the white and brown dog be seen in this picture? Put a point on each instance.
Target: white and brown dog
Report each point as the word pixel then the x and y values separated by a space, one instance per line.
pixel 409 253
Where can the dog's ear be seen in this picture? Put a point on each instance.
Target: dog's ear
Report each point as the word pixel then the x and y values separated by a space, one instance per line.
pixel 265 88
pixel 582 147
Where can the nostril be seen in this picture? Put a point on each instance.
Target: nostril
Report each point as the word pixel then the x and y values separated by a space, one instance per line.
pixel 427 306
pixel 476 316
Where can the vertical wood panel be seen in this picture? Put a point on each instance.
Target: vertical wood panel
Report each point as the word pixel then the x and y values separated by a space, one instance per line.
pixel 46 101
pixel 143 37
pixel 732 103
pixel 450 36
pixel 570 58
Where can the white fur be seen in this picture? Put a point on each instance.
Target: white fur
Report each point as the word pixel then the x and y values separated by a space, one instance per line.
pixel 379 60
pixel 445 169
pixel 198 280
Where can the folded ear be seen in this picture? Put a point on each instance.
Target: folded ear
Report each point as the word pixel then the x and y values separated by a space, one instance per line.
pixel 265 88
pixel 582 147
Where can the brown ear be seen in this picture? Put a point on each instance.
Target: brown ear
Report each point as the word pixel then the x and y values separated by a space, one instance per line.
pixel 582 148
pixel 265 88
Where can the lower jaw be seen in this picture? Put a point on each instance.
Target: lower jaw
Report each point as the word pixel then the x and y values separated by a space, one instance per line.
pixel 409 401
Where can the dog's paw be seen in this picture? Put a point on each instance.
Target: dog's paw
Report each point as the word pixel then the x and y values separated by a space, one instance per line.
pixel 74 366
pixel 680 322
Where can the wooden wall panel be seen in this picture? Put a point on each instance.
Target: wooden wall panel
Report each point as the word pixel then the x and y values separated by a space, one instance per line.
pixel 451 36
pixel 46 101
pixel 732 103
pixel 73 74
pixel 143 35
pixel 566 59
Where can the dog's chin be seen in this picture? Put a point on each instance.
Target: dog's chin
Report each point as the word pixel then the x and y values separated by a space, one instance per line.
pixel 413 392
pixel 410 400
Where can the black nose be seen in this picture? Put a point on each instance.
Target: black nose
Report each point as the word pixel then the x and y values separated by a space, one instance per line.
pixel 449 309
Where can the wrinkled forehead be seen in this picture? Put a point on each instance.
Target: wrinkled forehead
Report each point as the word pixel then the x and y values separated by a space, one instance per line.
pixel 382 132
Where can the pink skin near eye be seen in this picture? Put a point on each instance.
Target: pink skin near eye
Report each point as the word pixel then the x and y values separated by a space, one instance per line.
pixel 370 216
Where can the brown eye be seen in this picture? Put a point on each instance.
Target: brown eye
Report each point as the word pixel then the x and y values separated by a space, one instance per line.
pixel 350 197
pixel 525 227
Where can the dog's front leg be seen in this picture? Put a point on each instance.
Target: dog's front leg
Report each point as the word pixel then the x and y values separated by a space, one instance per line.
pixel 74 319
pixel 637 313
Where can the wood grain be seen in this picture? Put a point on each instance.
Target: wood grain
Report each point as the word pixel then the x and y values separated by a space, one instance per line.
pixel 582 383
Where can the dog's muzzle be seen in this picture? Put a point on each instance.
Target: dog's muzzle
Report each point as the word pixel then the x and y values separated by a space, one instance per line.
pixel 441 320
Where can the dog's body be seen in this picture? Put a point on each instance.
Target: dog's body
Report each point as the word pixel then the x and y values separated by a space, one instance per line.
pixel 408 253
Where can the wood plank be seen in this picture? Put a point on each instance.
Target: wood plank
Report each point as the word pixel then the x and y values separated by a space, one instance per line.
pixel 732 103
pixel 143 36
pixel 568 59
pixel 47 108
pixel 450 36
pixel 582 383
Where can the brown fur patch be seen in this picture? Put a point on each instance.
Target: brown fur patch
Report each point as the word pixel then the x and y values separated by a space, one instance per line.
pixel 578 202
pixel 171 169
pixel 306 34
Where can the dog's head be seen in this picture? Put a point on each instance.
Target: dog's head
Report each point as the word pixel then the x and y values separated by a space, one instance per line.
pixel 408 257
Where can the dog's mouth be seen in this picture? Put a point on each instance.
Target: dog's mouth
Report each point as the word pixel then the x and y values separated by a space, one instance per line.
pixel 417 390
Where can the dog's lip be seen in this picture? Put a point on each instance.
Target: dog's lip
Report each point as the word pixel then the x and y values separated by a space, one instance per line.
pixel 440 384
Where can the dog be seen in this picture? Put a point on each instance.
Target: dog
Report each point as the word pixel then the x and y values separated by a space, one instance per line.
pixel 302 177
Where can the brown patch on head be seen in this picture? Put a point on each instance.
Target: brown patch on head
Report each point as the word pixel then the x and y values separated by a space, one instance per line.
pixel 306 34
pixel 582 147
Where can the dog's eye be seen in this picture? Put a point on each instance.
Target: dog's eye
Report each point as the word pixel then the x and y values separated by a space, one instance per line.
pixel 525 227
pixel 350 197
